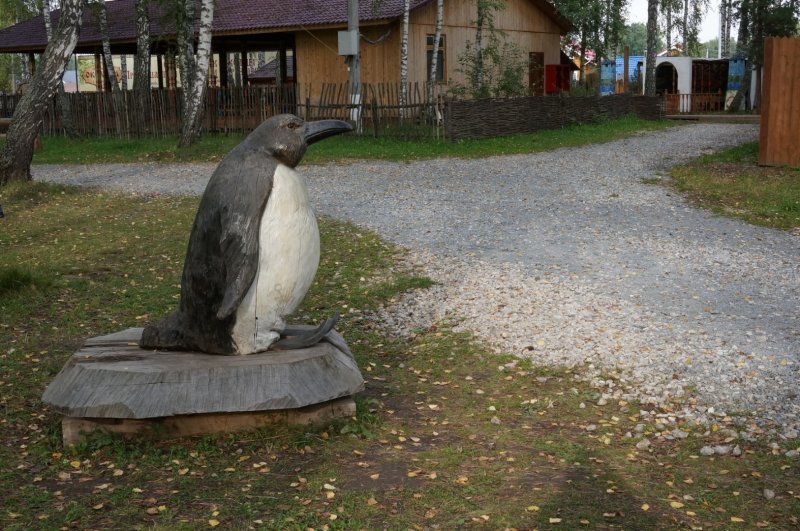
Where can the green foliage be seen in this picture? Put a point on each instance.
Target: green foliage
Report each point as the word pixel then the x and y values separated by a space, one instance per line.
pixel 596 25
pixel 499 73
pixel 492 66
pixel 634 36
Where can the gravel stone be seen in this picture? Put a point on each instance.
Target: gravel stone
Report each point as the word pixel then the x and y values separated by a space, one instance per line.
pixel 644 444
pixel 568 258
pixel 707 450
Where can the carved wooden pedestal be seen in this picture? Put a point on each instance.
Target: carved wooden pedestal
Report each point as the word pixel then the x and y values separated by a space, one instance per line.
pixel 113 385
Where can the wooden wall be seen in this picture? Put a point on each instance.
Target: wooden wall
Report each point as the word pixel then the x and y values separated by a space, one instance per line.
pixel 780 103
pixel 318 60
pixel 523 23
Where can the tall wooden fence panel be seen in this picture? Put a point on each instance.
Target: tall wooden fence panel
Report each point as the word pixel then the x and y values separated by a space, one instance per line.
pixel 780 103
pixel 487 118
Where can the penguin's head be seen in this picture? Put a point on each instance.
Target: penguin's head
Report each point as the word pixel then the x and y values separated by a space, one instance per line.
pixel 287 136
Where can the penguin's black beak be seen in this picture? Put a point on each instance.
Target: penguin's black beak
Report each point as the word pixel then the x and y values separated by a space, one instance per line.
pixel 316 131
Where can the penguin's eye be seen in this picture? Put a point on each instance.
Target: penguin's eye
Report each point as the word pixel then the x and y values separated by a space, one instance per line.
pixel 293 125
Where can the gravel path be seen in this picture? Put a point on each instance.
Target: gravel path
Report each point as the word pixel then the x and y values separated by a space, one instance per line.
pixel 568 258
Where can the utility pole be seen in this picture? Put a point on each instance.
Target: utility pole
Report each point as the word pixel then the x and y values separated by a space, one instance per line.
pixel 349 47
pixel 354 62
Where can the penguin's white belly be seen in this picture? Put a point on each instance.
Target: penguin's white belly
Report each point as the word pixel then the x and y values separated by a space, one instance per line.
pixel 287 263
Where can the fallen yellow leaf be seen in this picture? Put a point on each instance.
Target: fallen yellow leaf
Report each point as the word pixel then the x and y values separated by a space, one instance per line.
pixel 645 507
pixel 532 508
pixel 555 520
pixel 676 505
pixel 736 519
pixel 372 501
pixel 213 522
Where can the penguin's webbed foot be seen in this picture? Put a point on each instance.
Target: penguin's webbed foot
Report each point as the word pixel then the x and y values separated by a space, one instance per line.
pixel 295 337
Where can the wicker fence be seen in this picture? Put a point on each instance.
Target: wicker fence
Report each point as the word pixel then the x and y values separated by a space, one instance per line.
pixel 487 118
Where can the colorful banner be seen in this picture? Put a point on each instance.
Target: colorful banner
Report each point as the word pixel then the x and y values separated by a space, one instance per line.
pixel 87 72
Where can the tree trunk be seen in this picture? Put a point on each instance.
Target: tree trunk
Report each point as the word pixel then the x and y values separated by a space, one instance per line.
pixel 652 36
pixel 15 159
pixel 64 105
pixel 141 66
pixel 186 57
pixel 116 97
pixel 123 70
pixel 685 32
pixel 196 87
pixel 669 27
pixel 437 37
pixel 404 59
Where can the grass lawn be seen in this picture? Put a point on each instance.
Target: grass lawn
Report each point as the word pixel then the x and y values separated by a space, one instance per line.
pixel 443 437
pixel 212 147
pixel 731 183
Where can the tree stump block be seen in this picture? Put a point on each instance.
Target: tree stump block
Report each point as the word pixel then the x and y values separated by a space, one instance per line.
pixel 111 384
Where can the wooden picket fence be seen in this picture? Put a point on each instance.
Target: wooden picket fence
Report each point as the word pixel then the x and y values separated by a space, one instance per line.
pixel 377 112
pixel 695 103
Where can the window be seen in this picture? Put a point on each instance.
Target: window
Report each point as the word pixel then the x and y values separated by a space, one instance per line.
pixel 440 62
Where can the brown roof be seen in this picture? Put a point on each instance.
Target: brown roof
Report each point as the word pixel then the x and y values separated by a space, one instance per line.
pixel 270 70
pixel 230 17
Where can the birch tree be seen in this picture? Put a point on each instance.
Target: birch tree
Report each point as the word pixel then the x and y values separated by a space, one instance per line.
pixel 404 58
pixel 195 85
pixel 141 63
pixel 64 105
pixel 15 159
pixel 437 37
pixel 108 60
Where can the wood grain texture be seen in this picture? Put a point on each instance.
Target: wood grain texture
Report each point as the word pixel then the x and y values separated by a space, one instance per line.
pixel 111 377
pixel 72 428
pixel 780 103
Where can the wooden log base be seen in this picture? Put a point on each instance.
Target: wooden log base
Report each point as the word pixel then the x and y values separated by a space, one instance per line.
pixel 73 428
pixel 113 385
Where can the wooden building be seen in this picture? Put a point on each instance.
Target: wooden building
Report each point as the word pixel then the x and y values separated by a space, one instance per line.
pixel 307 31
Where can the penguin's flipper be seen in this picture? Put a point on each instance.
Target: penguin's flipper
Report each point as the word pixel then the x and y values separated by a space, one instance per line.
pixel 293 337
pixel 241 226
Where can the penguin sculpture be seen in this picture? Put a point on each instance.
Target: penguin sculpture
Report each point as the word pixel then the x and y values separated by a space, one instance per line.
pixel 253 250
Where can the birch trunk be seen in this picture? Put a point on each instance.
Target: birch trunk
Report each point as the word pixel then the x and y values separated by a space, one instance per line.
pixel 123 68
pixel 404 59
pixel 652 35
pixel 141 66
pixel 108 59
pixel 64 105
pixel 186 56
pixel 15 159
pixel 195 87
pixel 437 37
